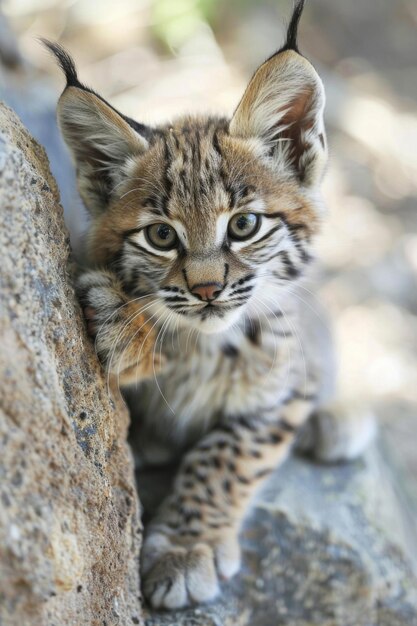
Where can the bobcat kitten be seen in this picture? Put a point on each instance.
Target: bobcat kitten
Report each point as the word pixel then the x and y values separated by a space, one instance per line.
pixel 201 231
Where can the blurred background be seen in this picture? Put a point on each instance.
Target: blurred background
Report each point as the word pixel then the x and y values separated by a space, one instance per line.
pixel 153 59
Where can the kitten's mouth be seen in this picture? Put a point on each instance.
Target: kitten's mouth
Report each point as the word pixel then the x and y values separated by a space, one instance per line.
pixel 211 317
pixel 211 310
pixel 214 310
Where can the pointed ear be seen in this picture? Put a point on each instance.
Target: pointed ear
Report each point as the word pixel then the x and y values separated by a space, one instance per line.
pixel 101 140
pixel 101 143
pixel 283 106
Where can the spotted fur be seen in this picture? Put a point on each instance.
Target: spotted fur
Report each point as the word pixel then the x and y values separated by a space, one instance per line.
pixel 215 333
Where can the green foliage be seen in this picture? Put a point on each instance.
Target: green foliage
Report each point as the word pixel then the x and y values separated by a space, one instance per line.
pixel 174 21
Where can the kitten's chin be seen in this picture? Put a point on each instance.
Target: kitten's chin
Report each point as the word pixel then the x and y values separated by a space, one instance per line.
pixel 215 324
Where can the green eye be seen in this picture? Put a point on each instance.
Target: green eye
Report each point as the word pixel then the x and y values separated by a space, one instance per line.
pixel 243 226
pixel 161 236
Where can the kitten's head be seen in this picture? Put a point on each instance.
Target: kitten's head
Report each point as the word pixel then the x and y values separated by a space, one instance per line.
pixel 209 215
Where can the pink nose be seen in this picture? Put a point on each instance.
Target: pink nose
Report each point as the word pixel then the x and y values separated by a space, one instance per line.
pixel 207 291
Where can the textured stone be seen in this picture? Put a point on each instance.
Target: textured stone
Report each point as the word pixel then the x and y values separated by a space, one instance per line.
pixel 324 546
pixel 69 525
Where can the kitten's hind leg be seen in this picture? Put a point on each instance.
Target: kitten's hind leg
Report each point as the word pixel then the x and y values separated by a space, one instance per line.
pixel 337 430
pixel 334 433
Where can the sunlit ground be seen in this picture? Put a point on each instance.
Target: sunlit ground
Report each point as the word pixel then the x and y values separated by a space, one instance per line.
pixel 155 59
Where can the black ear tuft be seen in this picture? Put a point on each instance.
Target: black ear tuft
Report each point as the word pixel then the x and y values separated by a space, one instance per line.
pixel 291 41
pixel 65 62
pixel 68 67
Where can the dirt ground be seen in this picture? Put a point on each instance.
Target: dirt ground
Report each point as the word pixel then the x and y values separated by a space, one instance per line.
pixel 156 58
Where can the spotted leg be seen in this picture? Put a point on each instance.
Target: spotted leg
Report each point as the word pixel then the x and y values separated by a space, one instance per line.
pixel 192 542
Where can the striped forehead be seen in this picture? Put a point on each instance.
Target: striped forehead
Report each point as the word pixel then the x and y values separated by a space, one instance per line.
pixel 194 174
pixel 195 177
pixel 193 169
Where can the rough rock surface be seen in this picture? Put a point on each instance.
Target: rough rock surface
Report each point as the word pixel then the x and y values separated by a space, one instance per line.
pixel 69 524
pixel 324 546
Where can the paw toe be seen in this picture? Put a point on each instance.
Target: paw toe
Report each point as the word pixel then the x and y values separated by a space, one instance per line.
pixel 164 584
pixel 178 577
pixel 227 554
pixel 201 574
pixel 176 596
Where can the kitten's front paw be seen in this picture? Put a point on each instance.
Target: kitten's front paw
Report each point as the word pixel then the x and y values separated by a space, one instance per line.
pixel 179 571
pixel 124 336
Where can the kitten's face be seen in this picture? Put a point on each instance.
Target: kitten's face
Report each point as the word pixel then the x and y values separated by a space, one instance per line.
pixel 202 222
pixel 208 216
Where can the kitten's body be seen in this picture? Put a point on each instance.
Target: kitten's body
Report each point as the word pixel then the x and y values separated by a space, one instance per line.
pixel 202 231
pixel 254 365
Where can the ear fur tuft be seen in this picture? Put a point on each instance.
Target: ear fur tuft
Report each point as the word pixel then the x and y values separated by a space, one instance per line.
pixel 101 139
pixel 67 65
pixel 292 30
pixel 65 62
pixel 283 107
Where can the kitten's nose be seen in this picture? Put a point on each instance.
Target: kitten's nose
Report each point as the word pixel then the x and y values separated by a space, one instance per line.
pixel 207 291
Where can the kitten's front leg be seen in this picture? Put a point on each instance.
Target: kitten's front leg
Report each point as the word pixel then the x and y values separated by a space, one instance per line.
pixel 123 328
pixel 193 540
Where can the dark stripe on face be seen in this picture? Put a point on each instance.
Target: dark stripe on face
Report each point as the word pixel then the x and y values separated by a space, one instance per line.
pixel 226 273
pixel 184 272
pixel 243 280
pixel 242 290
pixel 268 234
pixel 306 257
pixel 292 228
pixel 129 233
pixel 216 144
pixel 150 205
pixel 167 181
pixel 175 299
pixel 142 249
pixel 292 271
pixel 172 289
pixel 231 191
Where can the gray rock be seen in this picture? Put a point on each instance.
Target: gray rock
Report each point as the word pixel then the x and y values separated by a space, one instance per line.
pixel 324 546
pixel 69 524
